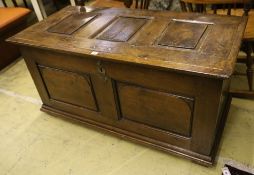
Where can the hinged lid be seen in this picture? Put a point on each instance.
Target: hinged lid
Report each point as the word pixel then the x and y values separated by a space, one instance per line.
pixel 206 45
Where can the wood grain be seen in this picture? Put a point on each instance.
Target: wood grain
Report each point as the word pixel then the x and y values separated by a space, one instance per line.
pixel 155 108
pixel 61 86
pixel 72 23
pixel 182 34
pixel 123 29
pixel 190 61
pixel 169 97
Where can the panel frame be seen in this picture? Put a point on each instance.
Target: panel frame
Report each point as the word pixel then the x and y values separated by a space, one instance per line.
pixel 84 75
pixel 175 45
pixel 34 57
pixel 190 101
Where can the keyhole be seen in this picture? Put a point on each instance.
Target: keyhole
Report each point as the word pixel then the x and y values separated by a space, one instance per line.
pixel 101 70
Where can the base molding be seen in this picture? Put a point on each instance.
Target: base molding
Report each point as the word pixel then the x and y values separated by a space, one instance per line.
pixel 136 138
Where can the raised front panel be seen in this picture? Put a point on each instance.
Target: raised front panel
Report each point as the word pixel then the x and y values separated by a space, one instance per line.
pixel 157 109
pixel 69 87
pixel 122 29
pixel 71 23
pixel 182 34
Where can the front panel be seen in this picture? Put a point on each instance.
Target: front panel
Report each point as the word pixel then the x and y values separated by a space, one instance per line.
pixel 62 86
pixel 158 109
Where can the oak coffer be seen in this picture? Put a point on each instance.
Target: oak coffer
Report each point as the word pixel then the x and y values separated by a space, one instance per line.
pixel 158 78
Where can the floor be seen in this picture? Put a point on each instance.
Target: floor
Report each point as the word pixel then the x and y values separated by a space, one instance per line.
pixel 34 143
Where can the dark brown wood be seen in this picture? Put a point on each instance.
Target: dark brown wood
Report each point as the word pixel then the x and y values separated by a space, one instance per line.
pixel 75 94
pixel 248 38
pixel 122 29
pixel 141 105
pixel 139 4
pixel 71 23
pixel 190 7
pixel 136 84
pixel 242 94
pixel 128 3
pixel 214 7
pixel 182 34
pixel 14 3
pixel 183 6
pixel 249 64
pixel 4 2
pixel 229 9
pixel 25 3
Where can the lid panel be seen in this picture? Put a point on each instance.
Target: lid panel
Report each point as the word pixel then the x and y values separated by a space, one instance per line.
pixel 122 29
pixel 204 45
pixel 71 23
pixel 182 34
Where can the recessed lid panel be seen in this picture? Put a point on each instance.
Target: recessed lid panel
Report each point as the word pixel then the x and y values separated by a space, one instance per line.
pixel 208 43
pixel 182 34
pixel 72 23
pixel 122 29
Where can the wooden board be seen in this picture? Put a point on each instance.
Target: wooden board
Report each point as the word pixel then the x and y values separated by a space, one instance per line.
pixel 122 30
pixel 61 86
pixel 71 23
pixel 200 44
pixel 182 34
pixel 141 105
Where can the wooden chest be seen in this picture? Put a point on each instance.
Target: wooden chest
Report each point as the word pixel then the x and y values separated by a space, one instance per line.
pixel 158 78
